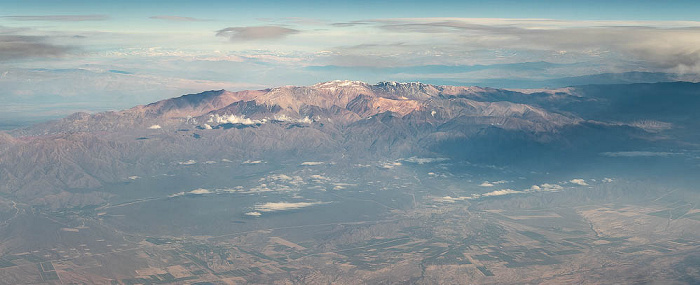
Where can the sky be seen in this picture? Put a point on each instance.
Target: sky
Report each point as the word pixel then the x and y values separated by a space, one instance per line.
pixel 59 57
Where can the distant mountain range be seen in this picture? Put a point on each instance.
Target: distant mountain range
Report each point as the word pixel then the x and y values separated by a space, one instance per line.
pixel 567 81
pixel 57 163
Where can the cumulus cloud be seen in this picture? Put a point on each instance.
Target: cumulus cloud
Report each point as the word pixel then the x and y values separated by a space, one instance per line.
pixel 14 47
pixel 450 199
pixel 255 33
pixel 285 118
pixel 283 177
pixel 293 180
pixel 59 18
pixel 252 162
pixel 233 119
pixel 319 178
pixel 390 165
pixel 175 18
pixel 341 186
pixel 200 191
pixel 284 206
pixel 500 192
pixel 491 184
pixel 189 162
pixel 154 127
pixel 253 214
pixel 312 163
pixel 547 187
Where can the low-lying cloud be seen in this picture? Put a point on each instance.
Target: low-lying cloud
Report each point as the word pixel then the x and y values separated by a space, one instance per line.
pixel 502 192
pixel 491 184
pixel 545 187
pixel 284 206
pixel 255 33
pixel 233 119
pixel 424 160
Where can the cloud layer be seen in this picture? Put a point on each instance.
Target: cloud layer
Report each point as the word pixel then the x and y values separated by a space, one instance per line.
pixel 672 45
pixel 74 59
pixel 176 18
pixel 255 33
pixel 14 47
pixel 59 18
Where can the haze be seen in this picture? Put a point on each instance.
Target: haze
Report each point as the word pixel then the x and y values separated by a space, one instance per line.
pixel 316 142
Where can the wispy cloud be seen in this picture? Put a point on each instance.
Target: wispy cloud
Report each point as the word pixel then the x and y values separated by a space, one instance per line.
pixel 639 154
pixel 255 33
pixel 20 47
pixel 176 18
pixel 350 24
pixel 672 45
pixel 294 20
pixel 59 18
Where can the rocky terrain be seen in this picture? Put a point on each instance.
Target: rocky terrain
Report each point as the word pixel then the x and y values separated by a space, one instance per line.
pixel 346 119
pixel 345 178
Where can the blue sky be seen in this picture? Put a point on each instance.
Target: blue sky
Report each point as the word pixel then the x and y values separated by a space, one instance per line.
pixel 57 57
pixel 246 10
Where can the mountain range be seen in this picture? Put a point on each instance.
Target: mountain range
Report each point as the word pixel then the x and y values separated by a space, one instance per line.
pixel 57 163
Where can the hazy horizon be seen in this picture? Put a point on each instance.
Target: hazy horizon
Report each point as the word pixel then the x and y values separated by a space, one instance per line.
pixel 58 58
